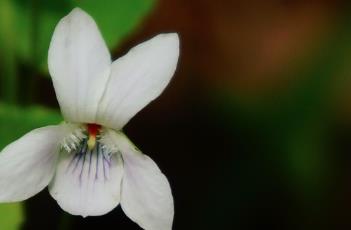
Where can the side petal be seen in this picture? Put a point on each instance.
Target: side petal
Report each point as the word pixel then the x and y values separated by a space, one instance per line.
pixel 79 64
pixel 138 78
pixel 146 194
pixel 28 164
pixel 87 182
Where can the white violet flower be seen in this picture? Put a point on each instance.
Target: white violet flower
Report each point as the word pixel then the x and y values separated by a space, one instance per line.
pixel 87 162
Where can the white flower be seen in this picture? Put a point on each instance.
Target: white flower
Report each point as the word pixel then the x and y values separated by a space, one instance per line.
pixel 88 163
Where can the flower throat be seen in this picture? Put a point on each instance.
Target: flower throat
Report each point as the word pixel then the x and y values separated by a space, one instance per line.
pixel 93 132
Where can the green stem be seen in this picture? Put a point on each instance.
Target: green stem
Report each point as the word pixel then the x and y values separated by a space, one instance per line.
pixel 7 49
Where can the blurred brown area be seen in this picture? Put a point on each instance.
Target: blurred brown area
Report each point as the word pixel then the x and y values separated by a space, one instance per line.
pixel 245 46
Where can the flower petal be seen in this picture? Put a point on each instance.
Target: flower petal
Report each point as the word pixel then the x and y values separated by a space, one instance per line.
pixel 146 194
pixel 87 183
pixel 28 164
pixel 138 78
pixel 79 64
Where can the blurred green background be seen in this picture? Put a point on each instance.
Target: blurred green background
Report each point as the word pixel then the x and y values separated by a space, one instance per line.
pixel 254 131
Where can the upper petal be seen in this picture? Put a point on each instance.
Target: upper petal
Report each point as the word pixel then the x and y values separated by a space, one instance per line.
pixel 28 164
pixel 138 78
pixel 146 194
pixel 87 182
pixel 79 64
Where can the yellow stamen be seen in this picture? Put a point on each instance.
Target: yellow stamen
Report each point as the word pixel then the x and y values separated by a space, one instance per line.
pixel 91 142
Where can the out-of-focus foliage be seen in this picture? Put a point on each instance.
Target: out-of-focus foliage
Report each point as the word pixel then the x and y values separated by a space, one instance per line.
pixel 290 130
pixel 11 216
pixel 7 54
pixel 15 122
pixel 35 21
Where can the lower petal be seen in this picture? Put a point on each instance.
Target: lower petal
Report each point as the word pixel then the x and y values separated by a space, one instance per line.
pixel 146 194
pixel 87 182
pixel 28 164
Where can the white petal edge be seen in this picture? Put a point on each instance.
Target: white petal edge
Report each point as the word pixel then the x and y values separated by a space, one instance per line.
pixel 146 196
pixel 28 164
pixel 138 78
pixel 87 184
pixel 79 64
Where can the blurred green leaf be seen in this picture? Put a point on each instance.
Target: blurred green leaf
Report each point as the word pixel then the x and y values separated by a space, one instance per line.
pixel 11 216
pixel 8 74
pixel 15 122
pixel 36 20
